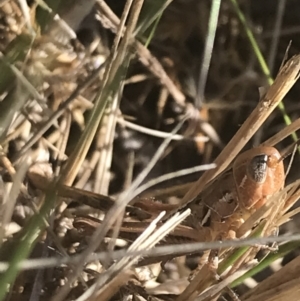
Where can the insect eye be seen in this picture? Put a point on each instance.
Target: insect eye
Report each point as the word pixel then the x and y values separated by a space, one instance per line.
pixel 257 168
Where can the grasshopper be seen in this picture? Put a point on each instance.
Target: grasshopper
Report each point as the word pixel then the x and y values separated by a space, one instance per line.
pixel 222 207
pixel 228 201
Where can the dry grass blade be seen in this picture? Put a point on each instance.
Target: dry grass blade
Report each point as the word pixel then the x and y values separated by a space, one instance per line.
pixel 109 120
pixel 145 56
pixel 285 132
pixel 41 263
pixel 10 197
pixel 217 288
pixel 145 241
pixel 156 133
pixel 282 285
pixel 75 160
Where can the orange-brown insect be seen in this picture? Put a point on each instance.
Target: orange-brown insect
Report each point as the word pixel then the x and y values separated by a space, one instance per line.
pixel 225 203
pixel 258 174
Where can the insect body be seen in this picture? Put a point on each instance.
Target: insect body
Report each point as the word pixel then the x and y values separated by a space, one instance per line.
pixel 258 174
pixel 226 202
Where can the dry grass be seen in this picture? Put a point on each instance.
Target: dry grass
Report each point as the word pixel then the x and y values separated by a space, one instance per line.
pixel 98 100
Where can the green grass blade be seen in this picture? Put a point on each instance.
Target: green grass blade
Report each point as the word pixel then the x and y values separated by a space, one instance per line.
pixel 282 251
pixel 27 241
pixel 262 62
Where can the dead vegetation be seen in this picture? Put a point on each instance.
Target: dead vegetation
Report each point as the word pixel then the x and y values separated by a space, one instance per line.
pixel 111 115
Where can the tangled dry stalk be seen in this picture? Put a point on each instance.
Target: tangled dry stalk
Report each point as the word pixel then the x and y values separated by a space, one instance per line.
pixel 85 101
